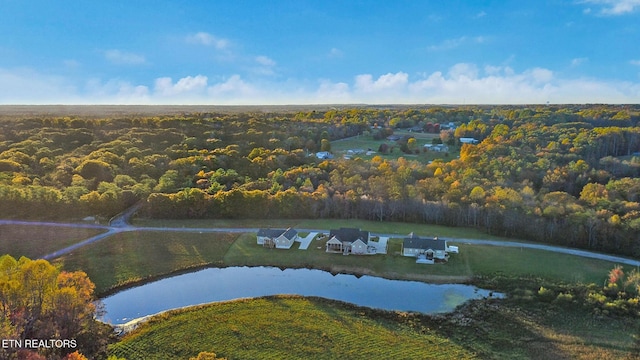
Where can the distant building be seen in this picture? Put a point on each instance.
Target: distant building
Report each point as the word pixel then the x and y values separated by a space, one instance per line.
pixel 467 140
pixel 437 148
pixel 324 155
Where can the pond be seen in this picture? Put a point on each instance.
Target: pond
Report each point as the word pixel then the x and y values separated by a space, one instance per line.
pixel 223 284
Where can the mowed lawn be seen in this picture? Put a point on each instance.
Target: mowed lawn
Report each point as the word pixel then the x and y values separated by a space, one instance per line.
pixel 383 227
pixel 284 327
pixel 34 241
pixel 473 260
pixel 129 257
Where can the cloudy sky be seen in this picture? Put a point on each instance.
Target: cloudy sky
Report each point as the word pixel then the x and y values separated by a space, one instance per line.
pixel 319 52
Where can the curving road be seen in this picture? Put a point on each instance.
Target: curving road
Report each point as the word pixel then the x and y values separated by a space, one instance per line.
pixel 120 224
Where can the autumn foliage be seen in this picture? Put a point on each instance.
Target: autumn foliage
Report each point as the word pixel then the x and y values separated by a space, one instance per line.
pixel 566 175
pixel 49 312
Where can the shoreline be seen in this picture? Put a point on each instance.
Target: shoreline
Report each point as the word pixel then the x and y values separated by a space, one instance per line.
pixel 333 269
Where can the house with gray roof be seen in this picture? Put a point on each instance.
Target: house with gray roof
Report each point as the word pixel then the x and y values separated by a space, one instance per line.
pixel 348 241
pixel 277 238
pixel 426 250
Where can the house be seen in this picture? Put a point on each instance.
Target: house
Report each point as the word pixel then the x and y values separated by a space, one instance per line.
pixel 348 241
pixel 324 155
pixel 437 147
pixel 277 238
pixel 467 140
pixel 427 250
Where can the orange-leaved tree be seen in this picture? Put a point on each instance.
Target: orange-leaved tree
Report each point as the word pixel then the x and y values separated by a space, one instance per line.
pixel 40 302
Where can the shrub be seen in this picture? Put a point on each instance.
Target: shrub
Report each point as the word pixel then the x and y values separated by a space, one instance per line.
pixel 546 295
pixel 564 298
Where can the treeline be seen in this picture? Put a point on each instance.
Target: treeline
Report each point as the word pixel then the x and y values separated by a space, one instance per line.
pixel 562 175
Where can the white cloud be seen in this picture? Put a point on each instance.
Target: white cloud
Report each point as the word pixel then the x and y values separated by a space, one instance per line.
pixel 203 38
pixel 613 7
pixel 539 75
pixel 27 86
pixel 191 84
pixel 578 61
pixel 365 82
pixel 504 86
pixel 635 62
pixel 114 91
pixel 332 93
pixel 234 86
pixel 463 71
pixel 265 61
pixel 335 53
pixel 496 70
pixel 123 58
pixel 481 14
pixel 461 83
pixel 265 66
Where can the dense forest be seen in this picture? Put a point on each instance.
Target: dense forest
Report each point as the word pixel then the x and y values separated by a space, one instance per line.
pixel 566 175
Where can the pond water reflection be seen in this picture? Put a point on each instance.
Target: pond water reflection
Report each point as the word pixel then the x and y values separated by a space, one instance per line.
pixel 223 284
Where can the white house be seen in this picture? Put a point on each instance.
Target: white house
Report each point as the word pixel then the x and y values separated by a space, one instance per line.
pixel 428 249
pixel 348 241
pixel 468 140
pixel 277 238
pixel 324 155
pixel 437 147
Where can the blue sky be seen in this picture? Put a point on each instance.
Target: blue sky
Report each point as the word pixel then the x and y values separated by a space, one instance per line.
pixel 319 52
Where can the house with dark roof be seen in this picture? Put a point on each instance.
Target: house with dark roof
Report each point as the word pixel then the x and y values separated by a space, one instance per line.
pixel 277 238
pixel 348 241
pixel 427 250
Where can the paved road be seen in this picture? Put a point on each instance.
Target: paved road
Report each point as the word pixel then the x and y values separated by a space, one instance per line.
pixel 122 225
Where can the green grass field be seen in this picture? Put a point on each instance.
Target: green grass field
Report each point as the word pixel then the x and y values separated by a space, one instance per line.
pixel 362 142
pixel 34 241
pixel 130 257
pixel 290 327
pixel 384 227
pixel 283 328
pixel 473 260
pixel 280 327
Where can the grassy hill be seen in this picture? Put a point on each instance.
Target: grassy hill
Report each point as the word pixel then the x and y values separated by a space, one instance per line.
pixel 291 327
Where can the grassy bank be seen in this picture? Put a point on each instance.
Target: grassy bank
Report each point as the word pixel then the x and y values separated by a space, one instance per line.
pixel 283 328
pixel 34 241
pixel 130 257
pixel 473 260
pixel 286 327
